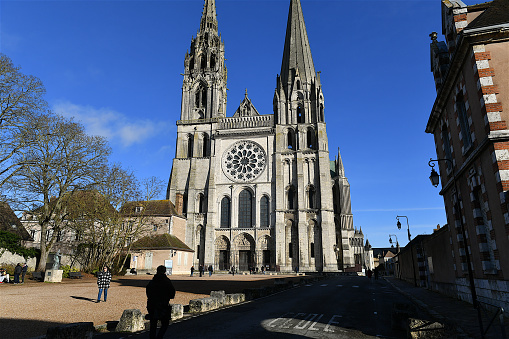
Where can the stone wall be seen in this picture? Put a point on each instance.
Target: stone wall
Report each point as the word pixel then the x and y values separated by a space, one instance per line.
pixel 8 258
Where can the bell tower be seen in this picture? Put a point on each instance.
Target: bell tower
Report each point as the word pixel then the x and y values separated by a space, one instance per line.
pixel 204 87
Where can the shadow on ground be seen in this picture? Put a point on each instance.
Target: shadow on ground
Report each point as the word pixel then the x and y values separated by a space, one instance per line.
pixel 83 298
pixel 202 285
pixel 23 328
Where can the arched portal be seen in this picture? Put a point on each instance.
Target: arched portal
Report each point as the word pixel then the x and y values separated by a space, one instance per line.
pixel 265 252
pixel 243 253
pixel 222 255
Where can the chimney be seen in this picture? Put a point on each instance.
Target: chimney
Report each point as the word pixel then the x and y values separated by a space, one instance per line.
pixel 179 203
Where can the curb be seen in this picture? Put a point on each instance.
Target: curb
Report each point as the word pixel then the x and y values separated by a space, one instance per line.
pixel 435 315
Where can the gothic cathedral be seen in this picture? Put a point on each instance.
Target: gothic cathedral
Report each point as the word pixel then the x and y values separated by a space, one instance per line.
pixel 259 189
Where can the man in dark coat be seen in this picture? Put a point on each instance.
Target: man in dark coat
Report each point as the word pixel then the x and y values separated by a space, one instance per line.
pixel 24 270
pixel 17 272
pixel 159 292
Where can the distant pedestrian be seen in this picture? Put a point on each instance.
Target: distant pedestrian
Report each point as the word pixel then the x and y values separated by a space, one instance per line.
pixel 17 272
pixel 211 269
pixel 263 269
pixel 369 273
pixel 159 292
pixel 376 273
pixel 233 270
pixel 200 269
pixel 192 270
pixel 24 270
pixel 103 282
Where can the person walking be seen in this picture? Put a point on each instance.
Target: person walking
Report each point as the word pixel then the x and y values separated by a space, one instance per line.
pixel 24 270
pixel 17 272
pixel 233 270
pixel 192 270
pixel 159 292
pixel 200 268
pixel 103 282
pixel 211 269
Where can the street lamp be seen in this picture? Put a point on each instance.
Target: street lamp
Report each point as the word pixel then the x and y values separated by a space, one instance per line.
pixel 390 240
pixel 409 240
pixel 408 226
pixel 435 178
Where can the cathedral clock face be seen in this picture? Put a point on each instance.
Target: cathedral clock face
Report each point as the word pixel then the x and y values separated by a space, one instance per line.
pixel 244 161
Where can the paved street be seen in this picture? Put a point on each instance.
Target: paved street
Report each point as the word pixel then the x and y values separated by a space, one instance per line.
pixel 341 307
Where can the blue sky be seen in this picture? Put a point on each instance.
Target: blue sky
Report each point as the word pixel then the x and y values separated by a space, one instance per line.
pixel 115 66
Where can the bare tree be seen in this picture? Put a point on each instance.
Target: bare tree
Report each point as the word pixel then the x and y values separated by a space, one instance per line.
pixel 104 231
pixel 21 101
pixel 152 187
pixel 62 159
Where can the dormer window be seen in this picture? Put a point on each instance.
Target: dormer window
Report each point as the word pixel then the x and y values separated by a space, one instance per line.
pixel 138 209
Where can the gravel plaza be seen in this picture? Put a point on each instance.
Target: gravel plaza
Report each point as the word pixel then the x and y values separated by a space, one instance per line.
pixel 29 309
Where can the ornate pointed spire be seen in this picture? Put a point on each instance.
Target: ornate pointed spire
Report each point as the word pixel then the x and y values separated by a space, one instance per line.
pixel 209 18
pixel 297 53
pixel 340 169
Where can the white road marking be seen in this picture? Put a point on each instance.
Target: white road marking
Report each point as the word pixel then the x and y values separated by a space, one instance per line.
pixel 331 321
pixel 324 285
pixel 312 327
pixel 309 285
pixel 339 285
pixel 305 321
pixel 286 322
pixel 355 286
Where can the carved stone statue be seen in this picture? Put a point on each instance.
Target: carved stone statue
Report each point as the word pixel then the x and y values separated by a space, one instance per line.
pixel 56 260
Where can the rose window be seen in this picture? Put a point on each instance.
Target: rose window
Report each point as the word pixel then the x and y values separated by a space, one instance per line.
pixel 244 161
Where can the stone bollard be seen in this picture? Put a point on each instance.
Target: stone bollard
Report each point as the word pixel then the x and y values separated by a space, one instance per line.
pixel 83 330
pixel 423 329
pixel 234 298
pixel 220 296
pixel 400 314
pixel 131 321
pixel 202 305
pixel 177 311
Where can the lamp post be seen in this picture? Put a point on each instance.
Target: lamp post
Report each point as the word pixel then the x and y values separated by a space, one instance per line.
pixel 397 243
pixel 435 180
pixel 396 261
pixel 409 240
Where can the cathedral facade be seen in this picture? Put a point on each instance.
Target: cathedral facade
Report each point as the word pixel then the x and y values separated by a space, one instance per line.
pixel 259 189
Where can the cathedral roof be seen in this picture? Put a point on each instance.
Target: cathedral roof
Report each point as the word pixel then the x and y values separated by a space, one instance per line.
pixel 297 52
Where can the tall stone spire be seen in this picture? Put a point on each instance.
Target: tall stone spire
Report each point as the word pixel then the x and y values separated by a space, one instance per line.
pixel 209 18
pixel 204 86
pixel 297 53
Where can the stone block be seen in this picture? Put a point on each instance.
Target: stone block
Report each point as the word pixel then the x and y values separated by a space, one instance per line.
pixel 177 311
pixel 132 320
pixel 401 312
pixel 83 330
pixel 220 296
pixel 202 305
pixel 53 276
pixel 234 298
pixel 424 329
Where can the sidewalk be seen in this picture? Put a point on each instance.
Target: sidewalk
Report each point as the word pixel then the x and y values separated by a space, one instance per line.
pixel 459 314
